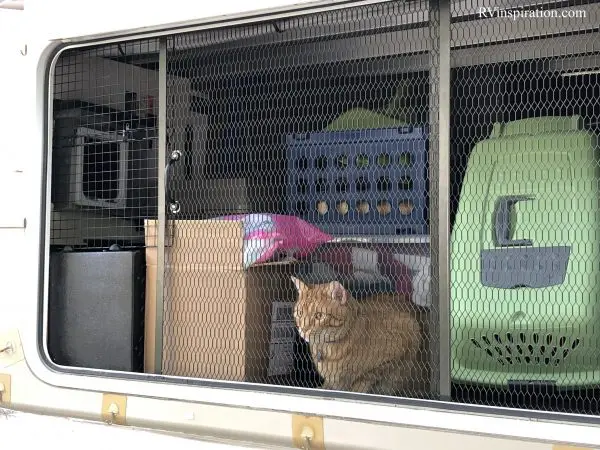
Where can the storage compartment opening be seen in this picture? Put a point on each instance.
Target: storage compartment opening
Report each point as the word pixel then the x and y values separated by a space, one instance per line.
pixel 298 170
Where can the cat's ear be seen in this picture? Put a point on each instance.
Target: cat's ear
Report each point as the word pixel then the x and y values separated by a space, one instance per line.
pixel 298 283
pixel 338 292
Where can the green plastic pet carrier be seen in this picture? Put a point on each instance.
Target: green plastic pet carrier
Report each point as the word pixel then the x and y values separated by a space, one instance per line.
pixel 525 258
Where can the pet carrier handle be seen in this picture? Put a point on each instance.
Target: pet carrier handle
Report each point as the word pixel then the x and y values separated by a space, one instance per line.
pixel 502 223
pixel 174 206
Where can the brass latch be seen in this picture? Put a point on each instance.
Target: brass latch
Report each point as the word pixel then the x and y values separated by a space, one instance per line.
pixel 307 433
pixel 114 409
pixel 4 389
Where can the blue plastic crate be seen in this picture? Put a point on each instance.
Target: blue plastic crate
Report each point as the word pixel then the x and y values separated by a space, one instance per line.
pixel 380 174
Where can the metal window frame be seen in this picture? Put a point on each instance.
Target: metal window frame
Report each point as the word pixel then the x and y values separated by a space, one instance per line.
pixel 439 163
pixel 264 397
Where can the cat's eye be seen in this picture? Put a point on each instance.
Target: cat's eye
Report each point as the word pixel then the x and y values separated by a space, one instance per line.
pixel 318 316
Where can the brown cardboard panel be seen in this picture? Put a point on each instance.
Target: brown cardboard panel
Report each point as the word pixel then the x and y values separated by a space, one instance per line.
pixel 203 323
pixel 212 242
pixel 217 315
pixel 221 237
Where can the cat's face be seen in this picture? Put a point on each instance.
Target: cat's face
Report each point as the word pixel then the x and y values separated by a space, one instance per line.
pixel 321 310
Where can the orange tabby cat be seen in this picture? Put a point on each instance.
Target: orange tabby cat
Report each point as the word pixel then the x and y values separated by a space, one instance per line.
pixel 371 346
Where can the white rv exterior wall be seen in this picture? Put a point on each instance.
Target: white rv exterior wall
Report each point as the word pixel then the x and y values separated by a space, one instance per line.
pixel 13 157
pixel 26 42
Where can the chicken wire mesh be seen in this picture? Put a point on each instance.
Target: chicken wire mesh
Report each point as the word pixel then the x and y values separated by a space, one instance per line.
pixel 524 168
pixel 301 191
pixel 301 184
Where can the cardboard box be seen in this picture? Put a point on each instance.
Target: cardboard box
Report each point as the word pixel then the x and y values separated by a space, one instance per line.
pixel 217 315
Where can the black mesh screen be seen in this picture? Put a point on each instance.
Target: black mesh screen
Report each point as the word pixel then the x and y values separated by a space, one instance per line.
pixel 105 145
pixel 301 185
pixel 524 198
pixel 304 156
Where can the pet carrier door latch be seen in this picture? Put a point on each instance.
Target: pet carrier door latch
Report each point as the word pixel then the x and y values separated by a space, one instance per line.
pixel 174 206
pixel 502 221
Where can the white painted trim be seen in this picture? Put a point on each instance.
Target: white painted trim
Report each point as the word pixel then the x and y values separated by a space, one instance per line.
pixel 13 4
pixel 70 434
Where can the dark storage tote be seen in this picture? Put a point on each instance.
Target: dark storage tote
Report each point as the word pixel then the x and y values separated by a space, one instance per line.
pixel 96 309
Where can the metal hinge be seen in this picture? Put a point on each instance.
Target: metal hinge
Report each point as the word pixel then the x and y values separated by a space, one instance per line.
pixel 4 390
pixel 114 409
pixel 307 432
